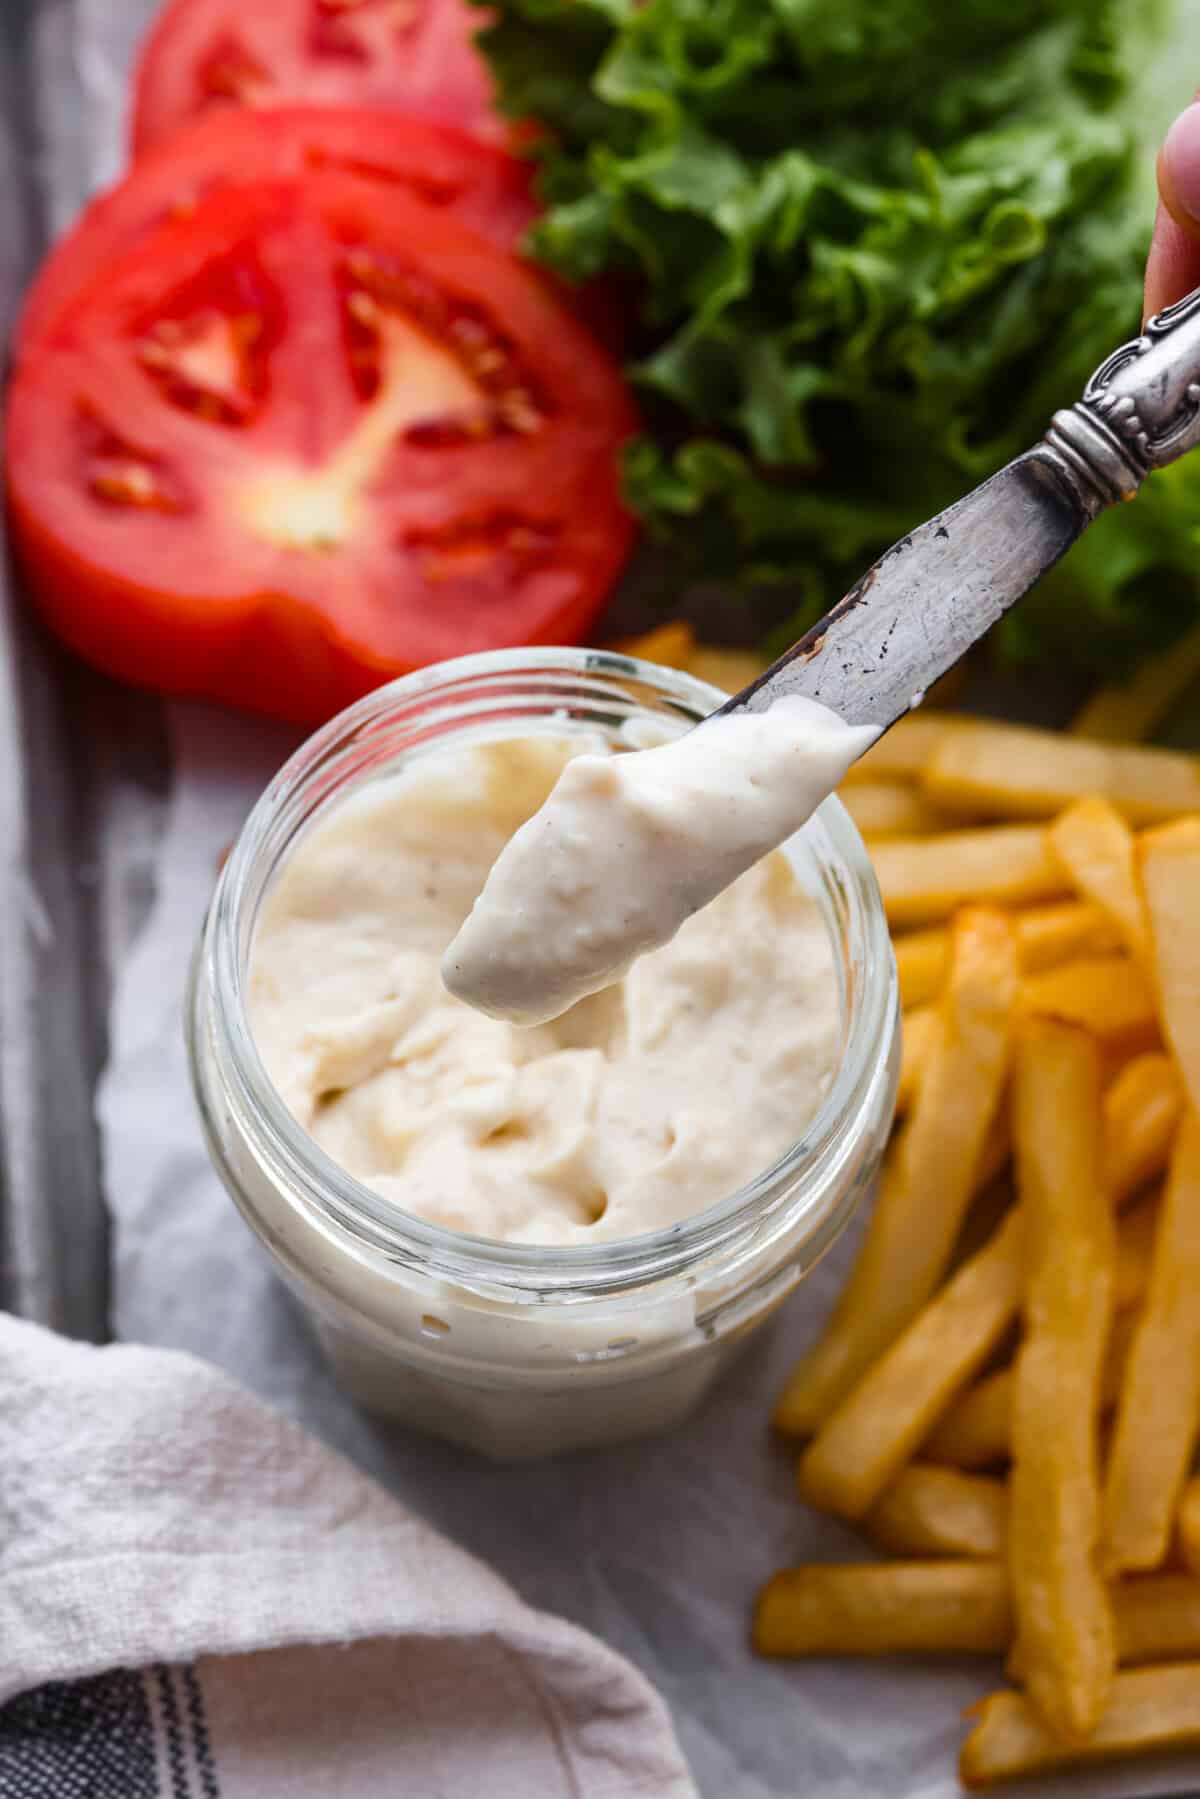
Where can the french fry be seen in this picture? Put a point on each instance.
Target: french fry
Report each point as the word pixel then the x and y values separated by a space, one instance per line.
pixel 884 1608
pixel 924 879
pixel 1051 935
pixel 1011 771
pixel 878 1426
pixel 1148 1709
pixel 918 1034
pixel 890 809
pixel 976 1431
pixel 1046 937
pixel 1189 1525
pixel 930 1172
pixel 730 670
pixel 671 645
pixel 1129 713
pixel 1135 1251
pixel 997 1149
pixel 1159 1410
pixel 873 1609
pixel 1158 1618
pixel 922 958
pixel 1063 1613
pixel 890 1413
pixel 940 1511
pixel 902 752
pixel 1107 996
pixel 1096 849
pixel 1169 864
pixel 1142 1110
pixel 1103 925
pixel 904 1394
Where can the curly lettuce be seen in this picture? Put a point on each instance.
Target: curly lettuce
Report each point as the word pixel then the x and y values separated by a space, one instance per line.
pixel 875 245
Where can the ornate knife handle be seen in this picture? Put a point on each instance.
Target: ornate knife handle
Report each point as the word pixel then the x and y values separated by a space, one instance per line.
pixel 1139 411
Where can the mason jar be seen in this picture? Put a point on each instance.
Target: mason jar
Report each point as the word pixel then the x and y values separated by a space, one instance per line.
pixel 513 1349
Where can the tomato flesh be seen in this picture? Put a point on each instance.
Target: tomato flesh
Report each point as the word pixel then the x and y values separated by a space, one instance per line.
pixel 489 191
pixel 414 56
pixel 306 439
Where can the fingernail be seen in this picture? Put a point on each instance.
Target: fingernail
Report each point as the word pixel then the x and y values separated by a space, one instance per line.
pixel 1180 164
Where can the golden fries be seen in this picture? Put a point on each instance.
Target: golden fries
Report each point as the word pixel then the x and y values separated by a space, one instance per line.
pixel 1135 1250
pixel 885 1608
pixel 924 879
pixel 1107 996
pixel 1189 1525
pixel 939 1511
pixel 1046 937
pixel 878 1426
pixel 1050 935
pixel 1149 1708
pixel 1129 713
pixel 918 1034
pixel 1096 849
pixel 922 958
pixel 1158 1619
pixel 1141 1112
pixel 902 753
pixel 1169 863
pixel 1142 1109
pixel 1159 1409
pixel 976 1431
pixel 931 1171
pixel 1063 1614
pixel 890 809
pixel 672 645
pixel 1011 771
pixel 868 1608
pixel 730 670
pixel 1101 958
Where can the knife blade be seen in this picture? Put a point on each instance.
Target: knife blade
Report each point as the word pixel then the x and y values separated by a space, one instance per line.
pixel 938 590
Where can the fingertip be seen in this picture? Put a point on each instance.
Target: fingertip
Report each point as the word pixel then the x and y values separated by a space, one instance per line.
pixel 1173 265
pixel 1179 169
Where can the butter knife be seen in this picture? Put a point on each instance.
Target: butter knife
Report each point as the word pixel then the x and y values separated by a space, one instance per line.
pixel 935 593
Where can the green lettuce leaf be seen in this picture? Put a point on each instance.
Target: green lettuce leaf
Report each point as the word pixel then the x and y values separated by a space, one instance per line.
pixel 876 244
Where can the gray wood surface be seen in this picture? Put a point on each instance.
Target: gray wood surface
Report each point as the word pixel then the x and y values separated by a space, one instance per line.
pixel 82 773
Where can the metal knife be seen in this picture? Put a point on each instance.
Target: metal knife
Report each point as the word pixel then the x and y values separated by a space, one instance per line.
pixel 935 593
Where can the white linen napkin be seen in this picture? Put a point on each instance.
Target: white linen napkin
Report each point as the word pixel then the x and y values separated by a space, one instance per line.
pixel 198 1601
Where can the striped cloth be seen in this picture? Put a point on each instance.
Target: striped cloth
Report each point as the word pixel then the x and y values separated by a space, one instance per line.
pixel 197 1601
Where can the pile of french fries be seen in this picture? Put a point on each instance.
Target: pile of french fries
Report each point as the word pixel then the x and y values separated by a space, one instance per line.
pixel 1018 1421
pixel 1007 1396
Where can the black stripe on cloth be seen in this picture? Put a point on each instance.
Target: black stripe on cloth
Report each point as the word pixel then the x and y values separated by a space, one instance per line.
pixel 83 1739
pixel 202 1751
pixel 172 1724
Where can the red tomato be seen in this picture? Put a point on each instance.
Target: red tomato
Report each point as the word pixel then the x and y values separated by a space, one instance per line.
pixel 415 56
pixel 488 190
pixel 310 437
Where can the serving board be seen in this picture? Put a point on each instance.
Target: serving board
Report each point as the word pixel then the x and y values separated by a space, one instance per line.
pixel 113 810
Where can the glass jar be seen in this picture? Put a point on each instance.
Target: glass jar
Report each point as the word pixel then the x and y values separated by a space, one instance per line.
pixel 519 1350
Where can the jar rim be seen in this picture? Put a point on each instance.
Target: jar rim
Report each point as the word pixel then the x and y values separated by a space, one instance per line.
pixel 310 1175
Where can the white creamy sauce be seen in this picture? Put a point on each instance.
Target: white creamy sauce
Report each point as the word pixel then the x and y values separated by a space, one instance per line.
pixel 629 847
pixel 640 1105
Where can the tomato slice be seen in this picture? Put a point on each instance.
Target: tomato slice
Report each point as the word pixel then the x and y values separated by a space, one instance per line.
pixel 489 190
pixel 415 56
pixel 310 437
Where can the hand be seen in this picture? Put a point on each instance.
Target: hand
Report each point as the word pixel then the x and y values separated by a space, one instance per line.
pixel 1173 265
